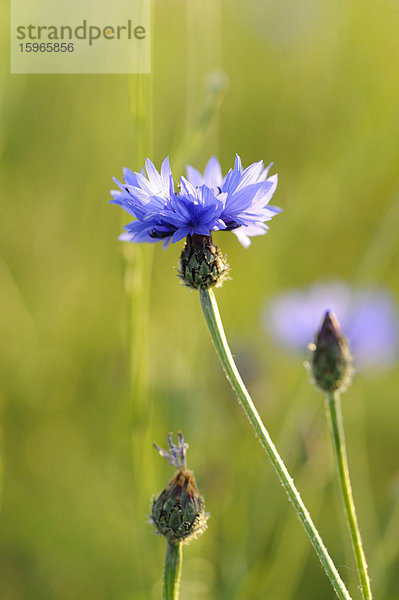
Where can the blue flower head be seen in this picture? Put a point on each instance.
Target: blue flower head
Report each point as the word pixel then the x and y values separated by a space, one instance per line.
pixel 204 203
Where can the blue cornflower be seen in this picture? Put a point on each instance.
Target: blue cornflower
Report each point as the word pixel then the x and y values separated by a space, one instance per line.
pixel 237 202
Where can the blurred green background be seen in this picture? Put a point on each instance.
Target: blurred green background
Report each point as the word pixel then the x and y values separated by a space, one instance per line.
pixel 102 351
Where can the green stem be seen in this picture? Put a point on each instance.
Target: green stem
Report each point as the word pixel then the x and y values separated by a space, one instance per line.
pixel 338 437
pixel 212 317
pixel 172 571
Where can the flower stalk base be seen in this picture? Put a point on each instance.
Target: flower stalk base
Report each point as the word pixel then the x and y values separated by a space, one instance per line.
pixel 172 571
pixel 338 437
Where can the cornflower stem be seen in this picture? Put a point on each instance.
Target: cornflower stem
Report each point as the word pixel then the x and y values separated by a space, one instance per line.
pixel 215 326
pixel 172 571
pixel 338 438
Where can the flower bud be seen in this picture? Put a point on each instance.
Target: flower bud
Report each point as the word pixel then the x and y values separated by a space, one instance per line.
pixel 331 360
pixel 179 511
pixel 202 264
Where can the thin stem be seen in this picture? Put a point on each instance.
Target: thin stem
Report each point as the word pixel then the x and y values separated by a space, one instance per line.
pixel 212 317
pixel 338 437
pixel 172 571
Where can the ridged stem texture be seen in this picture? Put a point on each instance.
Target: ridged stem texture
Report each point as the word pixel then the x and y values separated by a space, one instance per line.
pixel 338 437
pixel 215 326
pixel 172 571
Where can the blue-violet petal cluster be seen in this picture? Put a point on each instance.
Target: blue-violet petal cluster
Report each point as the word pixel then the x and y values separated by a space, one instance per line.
pixel 238 202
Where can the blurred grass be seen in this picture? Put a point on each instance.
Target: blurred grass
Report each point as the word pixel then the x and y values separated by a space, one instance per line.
pixel 316 91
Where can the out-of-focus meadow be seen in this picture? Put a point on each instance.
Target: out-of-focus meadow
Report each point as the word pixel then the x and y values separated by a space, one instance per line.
pixel 103 351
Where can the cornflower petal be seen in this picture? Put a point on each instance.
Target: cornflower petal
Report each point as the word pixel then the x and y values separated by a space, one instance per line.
pixel 233 177
pixel 180 234
pixel 251 174
pixel 244 233
pixel 194 176
pixel 167 177
pixel 264 174
pixel 130 177
pixel 213 177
